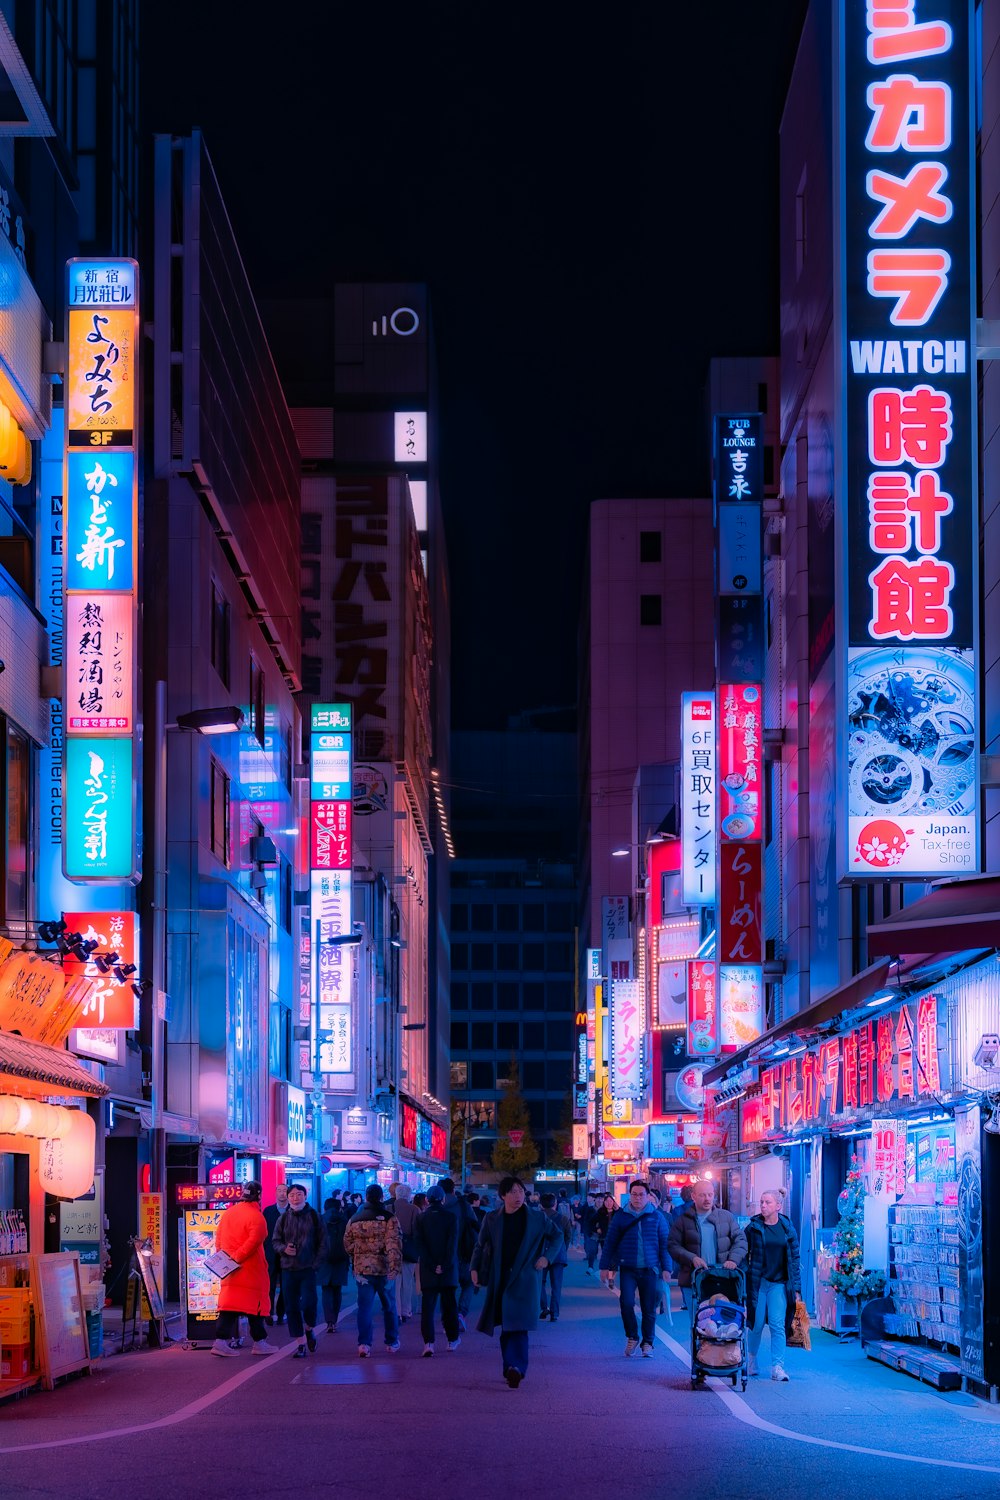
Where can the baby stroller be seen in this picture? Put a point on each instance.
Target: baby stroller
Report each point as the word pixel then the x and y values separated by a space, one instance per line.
pixel 718 1325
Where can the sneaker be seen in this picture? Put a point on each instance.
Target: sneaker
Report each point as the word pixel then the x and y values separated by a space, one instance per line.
pixel 454 1344
pixel 631 1345
pixel 543 1314
pixel 221 1348
pixel 778 1372
pixel 461 1323
pixel 393 1348
pixel 752 1368
pixel 428 1351
pixel 512 1377
pixel 301 1352
pixel 364 1351
pixel 263 1347
pixel 330 1328
pixel 311 1340
pixel 647 1351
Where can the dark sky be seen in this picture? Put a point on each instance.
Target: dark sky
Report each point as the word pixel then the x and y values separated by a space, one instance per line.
pixel 591 195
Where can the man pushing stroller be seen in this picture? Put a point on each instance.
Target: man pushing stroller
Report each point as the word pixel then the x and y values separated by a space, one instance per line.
pixel 704 1235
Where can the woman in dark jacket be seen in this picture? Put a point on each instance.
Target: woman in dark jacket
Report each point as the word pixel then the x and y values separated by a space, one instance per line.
pixel 332 1268
pixel 773 1279
pixel 436 1234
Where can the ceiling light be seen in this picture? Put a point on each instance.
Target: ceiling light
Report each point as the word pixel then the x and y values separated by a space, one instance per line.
pixel 226 720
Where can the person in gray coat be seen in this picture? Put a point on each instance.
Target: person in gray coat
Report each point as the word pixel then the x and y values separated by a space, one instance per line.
pixel 704 1235
pixel 515 1245
pixel 436 1235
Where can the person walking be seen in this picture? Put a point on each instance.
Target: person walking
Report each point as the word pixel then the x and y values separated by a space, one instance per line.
pixel 636 1246
pixel 298 1238
pixel 588 1226
pixel 552 1276
pixel 773 1280
pixel 272 1214
pixel 334 1265
pixel 407 1215
pixel 373 1241
pixel 241 1234
pixel 515 1244
pixel 436 1234
pixel 704 1235
pixel 468 1233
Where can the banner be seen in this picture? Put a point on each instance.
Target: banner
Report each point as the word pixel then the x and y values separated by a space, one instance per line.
pixel 698 798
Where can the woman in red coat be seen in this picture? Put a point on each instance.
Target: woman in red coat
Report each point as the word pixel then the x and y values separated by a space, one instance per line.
pixel 241 1234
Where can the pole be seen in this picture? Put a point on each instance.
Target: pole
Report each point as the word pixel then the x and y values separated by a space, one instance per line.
pixel 158 1139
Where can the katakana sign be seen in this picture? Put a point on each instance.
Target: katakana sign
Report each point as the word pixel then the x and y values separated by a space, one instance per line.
pixel 909 500
pixel 698 793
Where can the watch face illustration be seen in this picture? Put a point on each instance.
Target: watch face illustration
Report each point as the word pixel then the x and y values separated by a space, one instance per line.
pixel 912 734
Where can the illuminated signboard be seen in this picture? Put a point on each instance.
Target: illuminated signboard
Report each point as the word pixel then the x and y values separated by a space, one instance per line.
pixel 666 1141
pixel 330 908
pixel 739 936
pixel 741 1005
pixel 741 751
pixel 330 838
pixel 99 664
pixel 702 1008
pixel 899 1056
pixel 330 768
pixel 410 432
pixel 675 940
pixel 907 493
pixel 627 1028
pixel 98 841
pixel 698 804
pixel 100 569
pixel 112 1004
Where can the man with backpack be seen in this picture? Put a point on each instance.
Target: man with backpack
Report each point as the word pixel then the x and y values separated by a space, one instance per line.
pixel 298 1240
pixel 374 1243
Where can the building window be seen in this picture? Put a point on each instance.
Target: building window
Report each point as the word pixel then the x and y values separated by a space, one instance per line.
pixel 508 1036
pixel 762 396
pixel 482 1036
pixel 482 918
pixel 481 1075
pixel 508 996
pixel 459 957
pixel 558 957
pixel 801 226
pixel 482 996
pixel 534 1075
pixel 459 917
pixel 559 995
pixel 534 997
pixel 559 1036
pixel 220 626
pixel 650 609
pixel 507 918
pixel 256 725
pixel 482 955
pixel 533 919
pixel 459 1036
pixel 534 955
pixel 508 956
pixel 650 546
pixel 220 813
pixel 534 1036
pixel 17 821
pixel 459 1075
pixel 559 916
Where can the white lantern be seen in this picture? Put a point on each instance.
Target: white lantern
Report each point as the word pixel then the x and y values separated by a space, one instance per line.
pixel 66 1166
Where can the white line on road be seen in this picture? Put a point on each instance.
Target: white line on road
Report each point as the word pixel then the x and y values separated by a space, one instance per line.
pixel 182 1414
pixel 744 1412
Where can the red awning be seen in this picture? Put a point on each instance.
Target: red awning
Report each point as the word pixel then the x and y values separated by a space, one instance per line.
pixel 39 1070
pixel 951 919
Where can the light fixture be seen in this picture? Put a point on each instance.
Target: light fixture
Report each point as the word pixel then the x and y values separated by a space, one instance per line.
pixel 226 720
pixel 343 940
pixel 619 853
pixel 882 997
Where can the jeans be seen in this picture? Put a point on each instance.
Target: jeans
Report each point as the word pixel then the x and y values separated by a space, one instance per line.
pixel 553 1275
pixel 299 1291
pixel 468 1291
pixel 772 1303
pixel 644 1280
pixel 514 1351
pixel 591 1250
pixel 385 1289
pixel 228 1326
pixel 407 1288
pixel 333 1297
pixel 277 1300
pixel 449 1313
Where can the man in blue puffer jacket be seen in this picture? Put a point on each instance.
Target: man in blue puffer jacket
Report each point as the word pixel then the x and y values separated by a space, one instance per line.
pixel 636 1245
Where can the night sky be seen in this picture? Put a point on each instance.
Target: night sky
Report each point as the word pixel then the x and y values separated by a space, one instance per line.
pixel 591 197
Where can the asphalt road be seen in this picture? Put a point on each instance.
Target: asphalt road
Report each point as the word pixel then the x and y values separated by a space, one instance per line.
pixel 165 1425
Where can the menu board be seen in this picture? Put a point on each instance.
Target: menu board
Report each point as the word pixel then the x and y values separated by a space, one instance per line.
pixel 59 1315
pixel 201 1287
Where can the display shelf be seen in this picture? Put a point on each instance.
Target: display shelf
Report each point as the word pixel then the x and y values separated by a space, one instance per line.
pixel 924 1274
pixel 18 1341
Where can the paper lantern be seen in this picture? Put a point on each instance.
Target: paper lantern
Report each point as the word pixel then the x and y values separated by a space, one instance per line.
pixel 66 1166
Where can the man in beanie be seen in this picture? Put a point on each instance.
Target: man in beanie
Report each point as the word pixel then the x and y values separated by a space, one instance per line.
pixel 298 1237
pixel 241 1234
pixel 373 1241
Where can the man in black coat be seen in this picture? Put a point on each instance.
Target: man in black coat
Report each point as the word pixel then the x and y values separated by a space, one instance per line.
pixel 468 1234
pixel 436 1234
pixel 272 1214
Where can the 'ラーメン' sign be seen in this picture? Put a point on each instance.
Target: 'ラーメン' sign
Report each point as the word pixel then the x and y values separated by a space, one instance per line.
pixel 888 1060
pixel 907 398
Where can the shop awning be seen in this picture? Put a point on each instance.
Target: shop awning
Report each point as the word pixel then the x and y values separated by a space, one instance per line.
pixel 36 1069
pixel 357 1161
pixel 951 919
pixel 847 996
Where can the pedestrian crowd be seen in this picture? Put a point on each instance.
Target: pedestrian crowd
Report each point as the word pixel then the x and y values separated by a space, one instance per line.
pixel 443 1248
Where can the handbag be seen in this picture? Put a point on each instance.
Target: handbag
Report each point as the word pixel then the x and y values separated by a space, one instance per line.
pixel 799 1336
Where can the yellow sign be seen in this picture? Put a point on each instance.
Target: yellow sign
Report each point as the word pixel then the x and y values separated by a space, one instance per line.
pixel 100 383
pixel 615 1111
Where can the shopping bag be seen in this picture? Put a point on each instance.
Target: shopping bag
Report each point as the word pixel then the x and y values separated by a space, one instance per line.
pixel 799 1337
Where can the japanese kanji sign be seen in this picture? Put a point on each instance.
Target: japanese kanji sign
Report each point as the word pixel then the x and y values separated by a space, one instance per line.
pixel 739 936
pixel 908 501
pixel 330 898
pixel 100 552
pixel 112 1003
pixel 898 1056
pixel 627 1039
pixel 698 794
pixel 741 751
pixel 702 1008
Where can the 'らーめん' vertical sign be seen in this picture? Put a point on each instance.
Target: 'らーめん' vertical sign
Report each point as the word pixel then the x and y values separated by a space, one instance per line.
pixel 907 493
pixel 100 550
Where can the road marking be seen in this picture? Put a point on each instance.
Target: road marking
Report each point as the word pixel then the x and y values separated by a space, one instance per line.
pixel 740 1408
pixel 182 1414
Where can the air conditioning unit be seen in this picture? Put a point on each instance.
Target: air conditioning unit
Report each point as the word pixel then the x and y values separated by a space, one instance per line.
pixel 262 850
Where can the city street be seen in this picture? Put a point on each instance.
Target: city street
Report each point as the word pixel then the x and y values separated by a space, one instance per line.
pixel 586 1420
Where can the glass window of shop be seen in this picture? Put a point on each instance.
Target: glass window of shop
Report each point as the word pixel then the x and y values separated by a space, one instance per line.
pixel 17 824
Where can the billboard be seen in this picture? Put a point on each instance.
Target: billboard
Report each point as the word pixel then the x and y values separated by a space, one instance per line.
pixel 702 1008
pixel 330 908
pixel 741 764
pixel 908 497
pixel 698 805
pixel 627 1039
